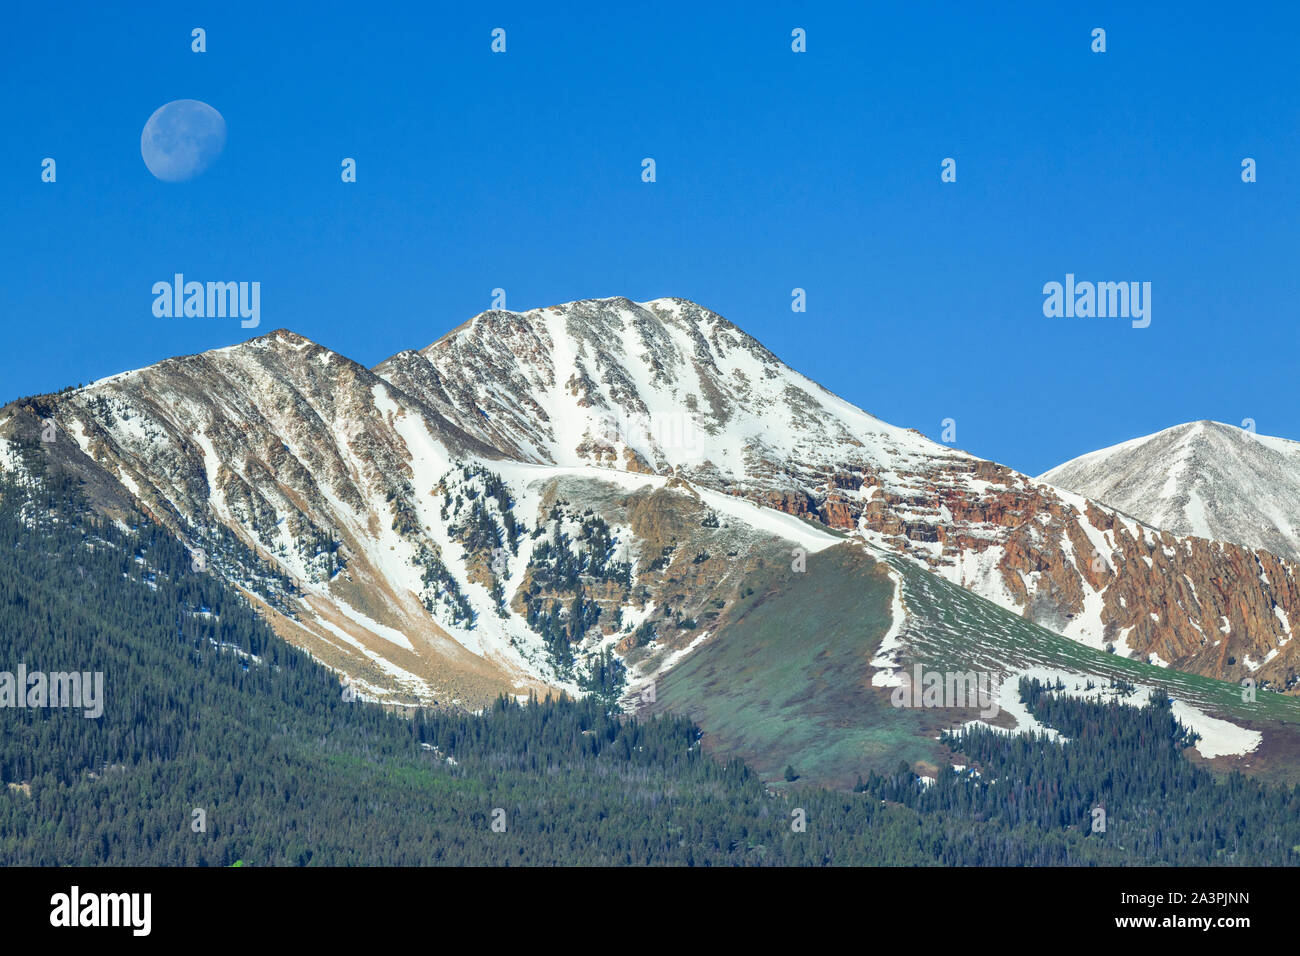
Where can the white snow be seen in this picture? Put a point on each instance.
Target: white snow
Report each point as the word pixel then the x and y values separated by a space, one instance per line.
pixel 1219 738
pixel 888 667
pixel 390 634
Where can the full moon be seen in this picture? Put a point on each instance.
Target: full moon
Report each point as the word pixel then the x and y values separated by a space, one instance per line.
pixel 182 139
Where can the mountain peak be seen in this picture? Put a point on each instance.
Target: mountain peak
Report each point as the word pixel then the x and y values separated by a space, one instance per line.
pixel 1205 478
pixel 651 386
pixel 583 318
pixel 284 337
pixel 279 340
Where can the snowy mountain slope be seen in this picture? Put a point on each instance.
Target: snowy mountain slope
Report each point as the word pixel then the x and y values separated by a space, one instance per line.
pixel 399 549
pixel 663 386
pixel 1202 478
pixel 306 459
pixel 669 387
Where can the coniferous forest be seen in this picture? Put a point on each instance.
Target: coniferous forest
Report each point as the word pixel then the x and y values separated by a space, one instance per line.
pixel 221 744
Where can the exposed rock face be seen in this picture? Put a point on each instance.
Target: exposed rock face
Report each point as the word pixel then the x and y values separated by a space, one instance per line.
pixel 1089 572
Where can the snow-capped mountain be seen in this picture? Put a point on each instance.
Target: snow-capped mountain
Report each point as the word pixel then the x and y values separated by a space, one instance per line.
pixel 533 490
pixel 1203 478
pixel 663 387
pixel 669 387
pixel 407 553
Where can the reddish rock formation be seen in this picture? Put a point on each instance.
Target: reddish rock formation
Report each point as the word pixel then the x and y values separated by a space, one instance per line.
pixel 1201 606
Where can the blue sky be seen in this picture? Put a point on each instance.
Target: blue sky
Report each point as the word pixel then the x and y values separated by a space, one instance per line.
pixel 775 170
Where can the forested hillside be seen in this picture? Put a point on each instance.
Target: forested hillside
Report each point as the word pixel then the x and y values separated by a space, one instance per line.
pixel 1122 758
pixel 206 709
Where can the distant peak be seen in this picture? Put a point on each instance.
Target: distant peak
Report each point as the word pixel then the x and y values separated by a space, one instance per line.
pixel 281 337
pixel 665 310
pixel 282 341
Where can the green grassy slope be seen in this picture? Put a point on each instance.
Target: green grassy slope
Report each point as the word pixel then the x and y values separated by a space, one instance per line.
pixel 787 678
pixel 787 681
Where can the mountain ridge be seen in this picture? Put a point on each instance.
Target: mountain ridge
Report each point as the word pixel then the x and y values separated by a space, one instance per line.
pixel 387 493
